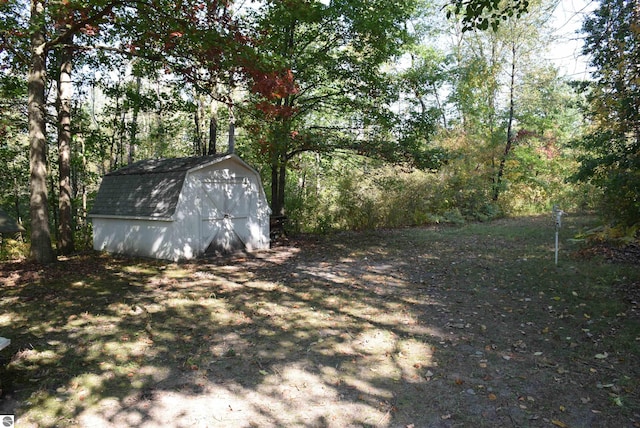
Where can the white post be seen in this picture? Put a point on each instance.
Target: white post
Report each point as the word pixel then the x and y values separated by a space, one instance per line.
pixel 556 246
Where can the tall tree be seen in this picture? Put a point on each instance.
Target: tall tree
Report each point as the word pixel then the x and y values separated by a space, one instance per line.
pixel 41 250
pixel 612 161
pixel 65 91
pixel 326 61
pixel 490 66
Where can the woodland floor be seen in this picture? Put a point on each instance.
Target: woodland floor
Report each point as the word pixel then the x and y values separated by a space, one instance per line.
pixel 419 327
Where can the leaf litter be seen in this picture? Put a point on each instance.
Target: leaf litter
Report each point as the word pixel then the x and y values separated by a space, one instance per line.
pixel 429 327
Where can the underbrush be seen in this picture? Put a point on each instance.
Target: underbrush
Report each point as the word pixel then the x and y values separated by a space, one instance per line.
pixel 364 195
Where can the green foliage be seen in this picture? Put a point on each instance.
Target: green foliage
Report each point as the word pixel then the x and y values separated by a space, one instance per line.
pixel 321 112
pixel 619 234
pixel 350 193
pixel 611 159
pixel 484 13
pixel 324 89
pixel 13 249
pixel 14 162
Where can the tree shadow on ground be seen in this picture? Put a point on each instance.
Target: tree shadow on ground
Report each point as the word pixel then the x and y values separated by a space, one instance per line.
pixel 391 328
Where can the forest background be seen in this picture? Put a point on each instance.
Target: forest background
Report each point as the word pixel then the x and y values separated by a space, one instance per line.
pixel 358 114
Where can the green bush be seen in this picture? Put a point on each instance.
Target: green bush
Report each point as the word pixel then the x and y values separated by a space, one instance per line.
pixel 13 248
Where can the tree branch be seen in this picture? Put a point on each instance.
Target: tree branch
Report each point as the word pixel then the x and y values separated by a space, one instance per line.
pixel 76 27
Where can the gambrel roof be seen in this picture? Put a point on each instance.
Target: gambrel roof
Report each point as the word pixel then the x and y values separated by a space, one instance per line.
pixel 8 224
pixel 148 188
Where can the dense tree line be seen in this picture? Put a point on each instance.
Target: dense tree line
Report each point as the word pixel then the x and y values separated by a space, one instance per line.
pixel 611 158
pixel 358 113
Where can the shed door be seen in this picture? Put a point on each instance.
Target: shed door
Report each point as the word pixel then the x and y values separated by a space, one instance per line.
pixel 225 214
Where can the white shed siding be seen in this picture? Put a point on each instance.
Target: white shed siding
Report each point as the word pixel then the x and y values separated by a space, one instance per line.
pixel 227 201
pixel 221 206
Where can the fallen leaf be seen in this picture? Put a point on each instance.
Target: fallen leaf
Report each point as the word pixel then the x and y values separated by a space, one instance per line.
pixel 559 423
pixel 602 356
pixel 493 397
pixel 604 385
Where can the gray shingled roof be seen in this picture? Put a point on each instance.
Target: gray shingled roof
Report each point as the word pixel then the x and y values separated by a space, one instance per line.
pixel 146 189
pixel 8 224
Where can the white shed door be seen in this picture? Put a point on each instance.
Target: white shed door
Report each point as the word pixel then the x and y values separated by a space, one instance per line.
pixel 225 214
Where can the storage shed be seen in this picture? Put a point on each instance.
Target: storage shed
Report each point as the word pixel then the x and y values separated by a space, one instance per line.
pixel 181 208
pixel 8 225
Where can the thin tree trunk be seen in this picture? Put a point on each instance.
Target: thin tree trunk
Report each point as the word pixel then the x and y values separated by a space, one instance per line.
pixel 16 200
pixel 275 202
pixel 121 140
pixel 439 105
pixel 213 135
pixel 113 149
pixel 133 129
pixel 81 186
pixel 53 205
pixel 65 88
pixel 507 147
pixel 40 250
pixel 282 176
pixel 232 130
pixel 198 150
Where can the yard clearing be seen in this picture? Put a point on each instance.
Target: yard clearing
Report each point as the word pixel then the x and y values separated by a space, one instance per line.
pixel 420 327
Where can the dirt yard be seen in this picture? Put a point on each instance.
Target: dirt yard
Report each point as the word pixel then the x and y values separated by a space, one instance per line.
pixel 424 327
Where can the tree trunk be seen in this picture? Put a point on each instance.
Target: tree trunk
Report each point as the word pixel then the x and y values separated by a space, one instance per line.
pixel 133 129
pixel 113 149
pixel 41 250
pixel 232 130
pixel 275 202
pixel 213 135
pixel 507 147
pixel 282 177
pixel 65 88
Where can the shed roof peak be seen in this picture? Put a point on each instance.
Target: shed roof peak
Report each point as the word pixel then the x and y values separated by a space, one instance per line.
pixel 166 165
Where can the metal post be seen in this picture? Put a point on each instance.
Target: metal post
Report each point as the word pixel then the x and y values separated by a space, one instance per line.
pixel 557 214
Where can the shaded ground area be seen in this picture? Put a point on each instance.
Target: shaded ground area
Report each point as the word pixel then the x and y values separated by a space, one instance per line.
pixel 424 327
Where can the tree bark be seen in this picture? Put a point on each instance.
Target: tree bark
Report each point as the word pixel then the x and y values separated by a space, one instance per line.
pixel 65 90
pixel 40 250
pixel 133 129
pixel 232 130
pixel 198 148
pixel 213 135
pixel 276 207
pixel 507 147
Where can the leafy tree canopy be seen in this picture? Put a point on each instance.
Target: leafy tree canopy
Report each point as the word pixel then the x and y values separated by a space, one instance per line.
pixel 613 146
